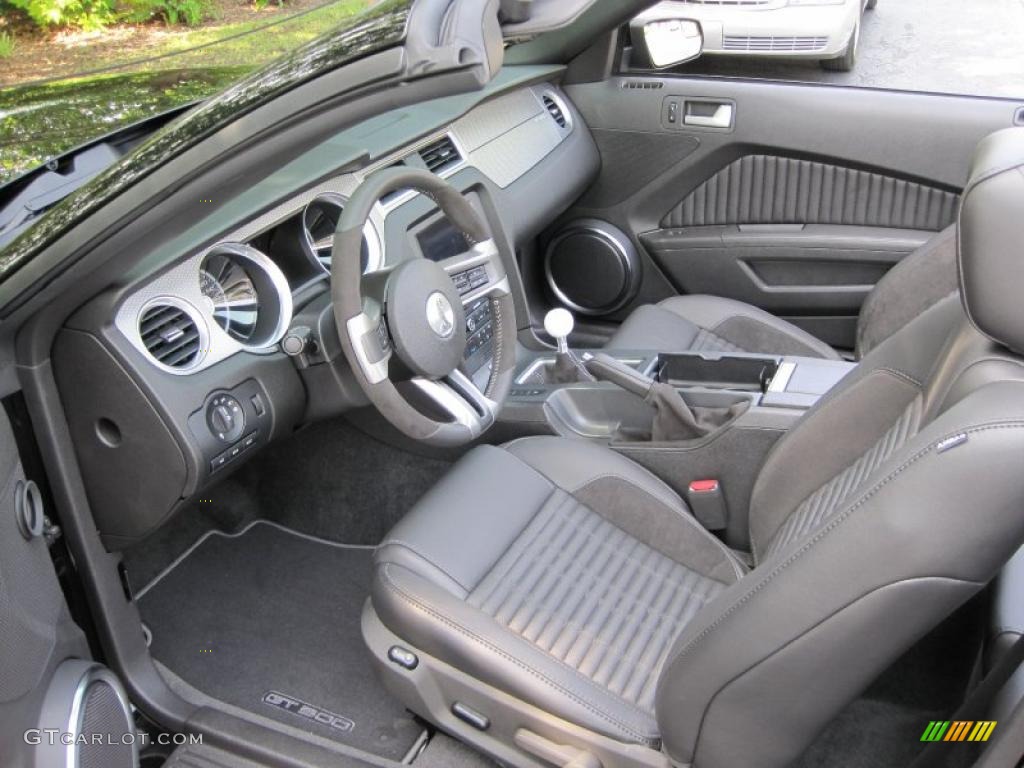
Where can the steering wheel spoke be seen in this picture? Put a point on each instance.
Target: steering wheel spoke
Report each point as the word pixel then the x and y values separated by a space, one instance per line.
pixel 461 400
pixel 371 344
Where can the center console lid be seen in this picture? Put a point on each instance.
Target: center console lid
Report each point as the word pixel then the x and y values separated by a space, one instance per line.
pixel 781 382
pixel 800 382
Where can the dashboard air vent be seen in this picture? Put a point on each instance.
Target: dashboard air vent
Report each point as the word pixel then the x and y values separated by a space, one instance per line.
pixel 555 111
pixel 440 155
pixel 170 335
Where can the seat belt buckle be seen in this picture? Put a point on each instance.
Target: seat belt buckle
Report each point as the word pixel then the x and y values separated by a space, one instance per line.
pixel 707 502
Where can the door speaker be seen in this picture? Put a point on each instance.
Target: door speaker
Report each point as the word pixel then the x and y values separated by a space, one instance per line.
pixel 592 267
pixel 89 709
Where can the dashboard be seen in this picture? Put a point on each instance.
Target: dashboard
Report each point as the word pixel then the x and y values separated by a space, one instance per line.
pixel 238 294
pixel 201 353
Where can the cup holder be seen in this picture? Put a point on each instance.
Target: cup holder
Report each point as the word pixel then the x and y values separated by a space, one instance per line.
pixel 617 415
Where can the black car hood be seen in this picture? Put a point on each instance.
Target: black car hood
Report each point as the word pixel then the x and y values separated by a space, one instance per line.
pixel 39 123
pixel 43 126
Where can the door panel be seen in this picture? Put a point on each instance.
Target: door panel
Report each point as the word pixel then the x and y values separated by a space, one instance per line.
pixel 36 630
pixel 764 188
pixel 810 271
pixel 799 205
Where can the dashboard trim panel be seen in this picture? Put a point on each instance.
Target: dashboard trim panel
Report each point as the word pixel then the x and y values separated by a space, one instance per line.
pixel 505 138
pixel 180 286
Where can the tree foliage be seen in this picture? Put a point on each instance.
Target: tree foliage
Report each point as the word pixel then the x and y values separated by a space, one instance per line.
pixel 188 12
pixel 94 14
pixel 86 14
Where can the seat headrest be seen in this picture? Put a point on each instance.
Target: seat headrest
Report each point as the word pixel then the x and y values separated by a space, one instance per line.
pixel 991 239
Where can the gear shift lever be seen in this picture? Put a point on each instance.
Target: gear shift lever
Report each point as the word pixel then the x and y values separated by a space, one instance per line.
pixel 567 369
pixel 558 323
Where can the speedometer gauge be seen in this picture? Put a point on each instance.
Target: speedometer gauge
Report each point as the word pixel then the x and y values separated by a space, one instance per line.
pixel 231 295
pixel 245 294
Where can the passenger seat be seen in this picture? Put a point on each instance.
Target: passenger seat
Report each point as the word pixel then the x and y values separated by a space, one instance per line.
pixel 1007 628
pixel 714 324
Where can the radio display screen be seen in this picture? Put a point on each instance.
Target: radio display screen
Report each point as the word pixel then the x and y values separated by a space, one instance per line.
pixel 441 240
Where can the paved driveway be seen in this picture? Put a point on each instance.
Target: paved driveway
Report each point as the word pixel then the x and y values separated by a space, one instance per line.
pixel 950 46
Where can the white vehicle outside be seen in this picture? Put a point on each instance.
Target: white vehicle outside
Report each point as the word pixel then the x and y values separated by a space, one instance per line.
pixel 826 30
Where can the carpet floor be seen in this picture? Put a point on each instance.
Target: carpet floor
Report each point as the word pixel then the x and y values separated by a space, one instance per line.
pixel 268 620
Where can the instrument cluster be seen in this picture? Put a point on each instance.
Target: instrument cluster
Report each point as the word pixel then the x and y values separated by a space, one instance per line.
pixel 238 294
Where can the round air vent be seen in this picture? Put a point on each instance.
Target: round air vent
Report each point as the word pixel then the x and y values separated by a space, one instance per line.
pixel 592 267
pixel 173 334
pixel 320 219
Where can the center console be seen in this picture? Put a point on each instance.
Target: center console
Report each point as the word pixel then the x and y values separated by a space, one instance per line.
pixel 775 388
pixel 735 407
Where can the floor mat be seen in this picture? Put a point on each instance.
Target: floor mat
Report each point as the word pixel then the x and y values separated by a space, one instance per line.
pixel 268 621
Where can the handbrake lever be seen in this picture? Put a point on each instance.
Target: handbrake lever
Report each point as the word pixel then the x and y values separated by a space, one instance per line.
pixel 606 368
pixel 674 419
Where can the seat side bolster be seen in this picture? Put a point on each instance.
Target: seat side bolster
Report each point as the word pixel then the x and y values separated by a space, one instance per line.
pixel 922 517
pixel 460 528
pixel 584 462
pixel 1008 600
pixel 405 554
pixel 919 281
pixel 829 439
pixel 851 633
pixel 649 519
pixel 848 420
pixel 677 324
pixel 652 326
pixel 1007 628
pixel 747 326
pixel 631 498
pixel 436 622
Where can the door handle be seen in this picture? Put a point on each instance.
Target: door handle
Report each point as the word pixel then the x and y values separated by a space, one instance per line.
pixel 708 114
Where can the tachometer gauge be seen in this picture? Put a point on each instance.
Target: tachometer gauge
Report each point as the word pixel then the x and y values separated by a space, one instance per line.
pixel 232 296
pixel 246 294
pixel 320 220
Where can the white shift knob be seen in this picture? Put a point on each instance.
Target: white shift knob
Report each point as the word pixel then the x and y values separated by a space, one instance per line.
pixel 558 323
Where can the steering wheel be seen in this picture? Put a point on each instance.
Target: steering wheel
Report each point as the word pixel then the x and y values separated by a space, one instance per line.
pixel 408 322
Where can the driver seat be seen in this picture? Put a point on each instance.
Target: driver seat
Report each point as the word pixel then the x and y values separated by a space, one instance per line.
pixel 551 602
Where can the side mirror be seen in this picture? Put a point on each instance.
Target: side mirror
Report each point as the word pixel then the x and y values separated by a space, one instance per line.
pixel 667 42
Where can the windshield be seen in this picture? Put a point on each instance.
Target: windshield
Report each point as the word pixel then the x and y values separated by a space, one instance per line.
pixel 68 77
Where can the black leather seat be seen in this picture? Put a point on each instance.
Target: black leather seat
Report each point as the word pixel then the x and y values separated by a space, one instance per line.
pixel 570 567
pixel 715 324
pixel 562 592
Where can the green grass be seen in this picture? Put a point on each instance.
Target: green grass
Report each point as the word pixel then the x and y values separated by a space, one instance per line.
pixel 251 50
pixel 6 45
pixel 40 121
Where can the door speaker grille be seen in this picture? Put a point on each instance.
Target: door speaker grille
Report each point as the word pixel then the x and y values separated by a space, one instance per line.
pixel 103 714
pixel 86 701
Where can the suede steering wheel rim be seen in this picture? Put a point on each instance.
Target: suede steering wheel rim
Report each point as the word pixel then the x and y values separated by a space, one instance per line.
pixel 413 312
